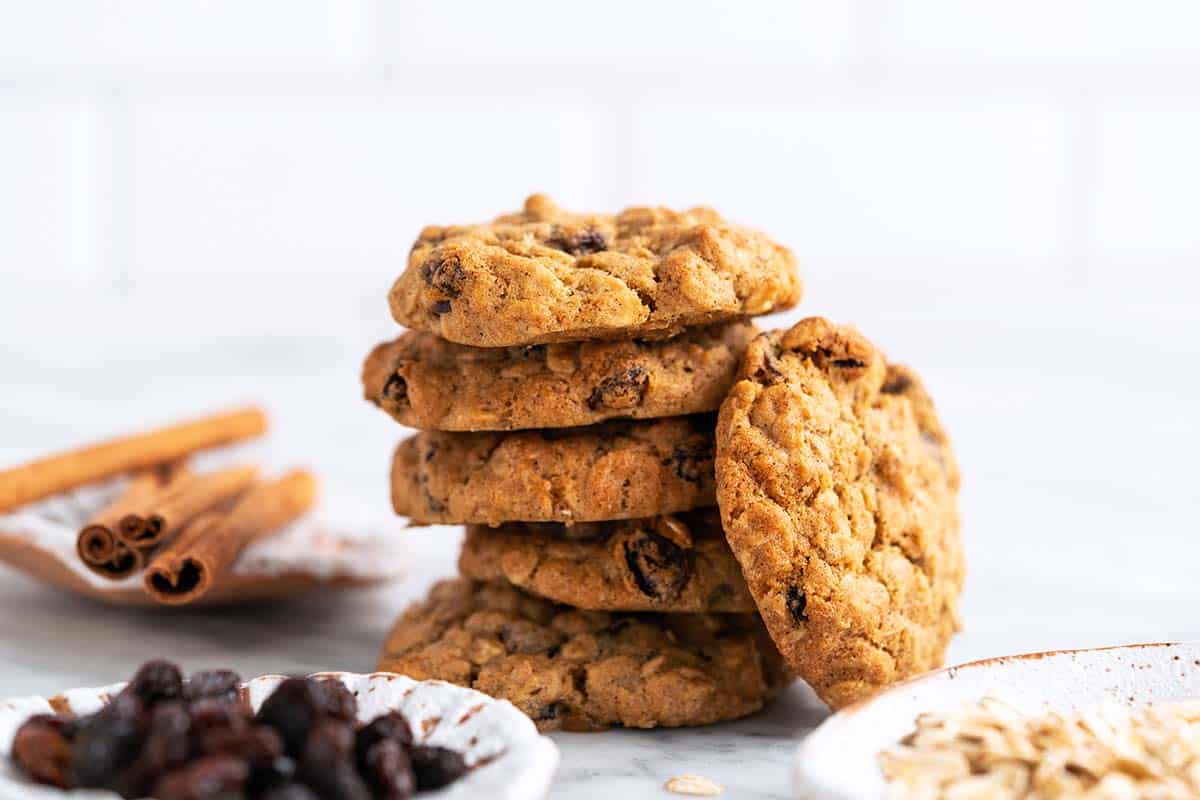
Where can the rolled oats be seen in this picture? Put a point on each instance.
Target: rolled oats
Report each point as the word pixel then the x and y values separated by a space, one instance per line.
pixel 993 750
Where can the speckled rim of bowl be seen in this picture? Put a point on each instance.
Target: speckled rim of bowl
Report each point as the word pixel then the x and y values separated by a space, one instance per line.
pixel 837 761
pixel 509 759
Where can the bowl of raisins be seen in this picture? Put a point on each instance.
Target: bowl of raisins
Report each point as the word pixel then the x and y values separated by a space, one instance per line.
pixel 330 736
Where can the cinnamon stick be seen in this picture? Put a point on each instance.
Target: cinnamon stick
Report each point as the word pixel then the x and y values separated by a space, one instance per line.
pixel 124 562
pixel 146 526
pixel 99 543
pixel 48 476
pixel 188 567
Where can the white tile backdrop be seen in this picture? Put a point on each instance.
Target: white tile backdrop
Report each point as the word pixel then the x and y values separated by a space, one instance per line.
pixel 125 39
pixel 204 202
pixel 154 144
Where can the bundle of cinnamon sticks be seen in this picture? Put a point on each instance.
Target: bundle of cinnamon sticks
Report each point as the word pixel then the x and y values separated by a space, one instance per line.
pixel 182 530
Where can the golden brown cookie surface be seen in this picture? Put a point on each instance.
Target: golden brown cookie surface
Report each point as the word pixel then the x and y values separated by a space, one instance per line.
pixel 548 275
pixel 426 382
pixel 838 492
pixel 587 670
pixel 615 470
pixel 675 564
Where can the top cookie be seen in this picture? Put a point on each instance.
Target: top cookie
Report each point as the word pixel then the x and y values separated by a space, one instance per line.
pixel 548 275
pixel 838 494
pixel 427 382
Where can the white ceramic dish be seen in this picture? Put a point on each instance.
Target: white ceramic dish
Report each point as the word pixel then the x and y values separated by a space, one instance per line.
pixel 838 760
pixel 510 760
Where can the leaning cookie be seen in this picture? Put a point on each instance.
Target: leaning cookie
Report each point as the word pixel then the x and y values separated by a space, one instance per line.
pixel 671 564
pixel 587 670
pixel 429 383
pixel 838 492
pixel 548 275
pixel 615 470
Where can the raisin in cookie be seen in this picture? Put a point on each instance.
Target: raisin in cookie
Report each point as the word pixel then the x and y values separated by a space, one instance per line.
pixel 548 275
pixel 616 470
pixel 587 670
pixel 670 563
pixel 838 492
pixel 427 382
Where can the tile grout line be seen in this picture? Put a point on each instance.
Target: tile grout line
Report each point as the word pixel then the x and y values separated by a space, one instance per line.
pixel 382 42
pixel 1078 247
pixel 870 69
pixel 120 191
pixel 867 64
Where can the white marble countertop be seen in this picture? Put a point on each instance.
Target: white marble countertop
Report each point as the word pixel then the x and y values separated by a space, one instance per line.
pixel 1076 432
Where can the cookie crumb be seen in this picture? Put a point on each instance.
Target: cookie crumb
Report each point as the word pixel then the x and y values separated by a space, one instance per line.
pixel 696 785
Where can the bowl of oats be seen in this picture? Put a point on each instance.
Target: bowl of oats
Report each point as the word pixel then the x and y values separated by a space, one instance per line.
pixel 1118 722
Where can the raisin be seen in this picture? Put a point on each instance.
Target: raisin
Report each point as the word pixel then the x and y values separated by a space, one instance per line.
pixel 326 766
pixel 436 767
pixel 445 274
pixel 69 725
pixel 108 740
pixel 691 460
pixel 769 372
pixel 213 713
pixel 522 636
pixel 155 681
pixel 897 383
pixel 440 307
pixel 659 566
pixel 204 779
pixel 388 770
pixel 848 363
pixel 623 390
pixel 590 241
pixel 392 725
pixel 336 700
pixel 578 243
pixel 796 603
pixel 263 776
pixel 549 711
pixel 337 781
pixel 258 744
pixel 220 684
pixel 292 709
pixel 435 506
pixel 167 745
pixel 396 388
pixel 290 791
pixel 43 751
pixel 329 740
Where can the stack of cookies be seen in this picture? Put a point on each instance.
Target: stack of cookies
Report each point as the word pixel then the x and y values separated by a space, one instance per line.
pixel 565 371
